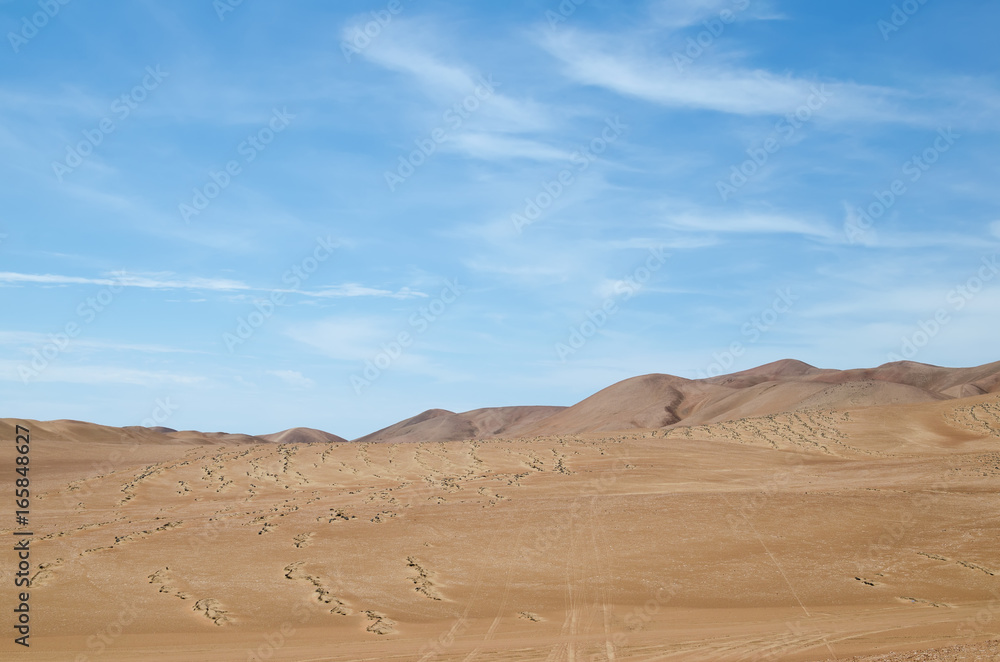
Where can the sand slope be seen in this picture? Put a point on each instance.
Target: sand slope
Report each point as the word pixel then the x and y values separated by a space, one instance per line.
pixel 302 436
pixel 443 425
pixel 657 400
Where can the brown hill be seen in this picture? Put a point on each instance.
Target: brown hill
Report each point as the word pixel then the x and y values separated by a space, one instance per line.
pixel 302 436
pixel 784 370
pixel 644 402
pixel 659 400
pixel 778 397
pixel 443 425
pixel 655 401
pixel 649 401
pixel 984 378
pixel 80 432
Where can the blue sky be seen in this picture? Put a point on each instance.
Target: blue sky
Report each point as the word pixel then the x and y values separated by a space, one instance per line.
pixel 338 215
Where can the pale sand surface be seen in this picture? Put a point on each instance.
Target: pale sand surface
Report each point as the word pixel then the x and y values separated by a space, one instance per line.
pixel 810 535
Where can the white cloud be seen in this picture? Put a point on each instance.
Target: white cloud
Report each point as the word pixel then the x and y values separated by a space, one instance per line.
pixel 751 223
pixel 405 46
pixel 676 14
pixel 683 242
pixel 878 235
pixel 166 281
pixel 355 290
pixel 153 281
pixel 592 59
pixel 682 13
pixel 495 146
pixel 391 51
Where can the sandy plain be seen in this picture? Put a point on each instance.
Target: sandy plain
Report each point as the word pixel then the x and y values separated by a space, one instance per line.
pixel 759 518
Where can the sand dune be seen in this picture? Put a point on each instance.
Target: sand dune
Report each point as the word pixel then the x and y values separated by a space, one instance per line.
pixel 443 425
pixel 657 400
pixel 927 377
pixel 813 533
pixel 644 402
pixel 302 436
pixel 650 401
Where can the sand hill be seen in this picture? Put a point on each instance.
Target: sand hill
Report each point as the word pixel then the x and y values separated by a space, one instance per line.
pixel 443 425
pixel 656 400
pixel 303 436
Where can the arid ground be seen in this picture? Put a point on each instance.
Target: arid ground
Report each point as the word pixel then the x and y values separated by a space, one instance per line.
pixel 783 513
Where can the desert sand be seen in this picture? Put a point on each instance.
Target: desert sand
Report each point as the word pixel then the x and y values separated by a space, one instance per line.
pixel 781 513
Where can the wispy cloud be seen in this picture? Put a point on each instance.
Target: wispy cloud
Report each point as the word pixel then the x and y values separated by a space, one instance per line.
pixel 166 281
pixel 155 282
pixel 356 290
pixel 681 242
pixel 676 14
pixel 751 223
pixel 498 125
pixel 492 146
pixel 600 61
